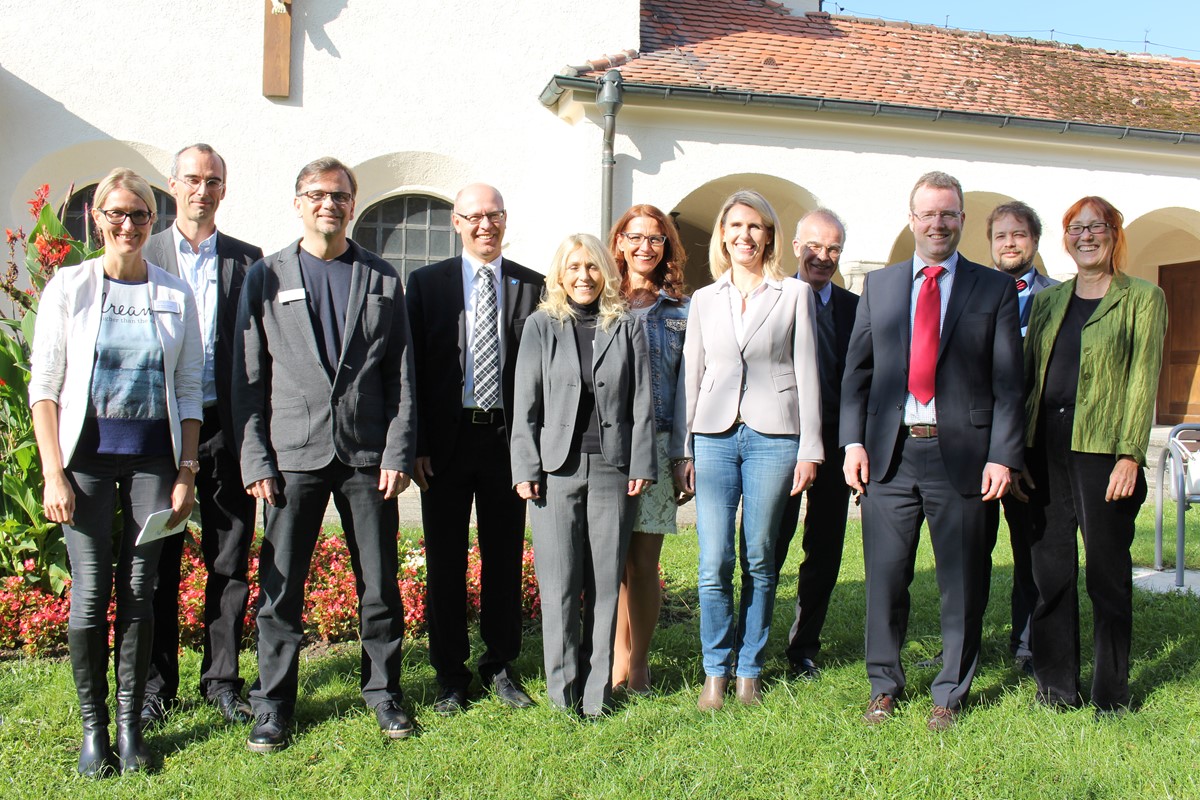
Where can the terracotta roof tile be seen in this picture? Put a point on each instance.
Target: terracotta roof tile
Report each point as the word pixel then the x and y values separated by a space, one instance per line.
pixel 758 46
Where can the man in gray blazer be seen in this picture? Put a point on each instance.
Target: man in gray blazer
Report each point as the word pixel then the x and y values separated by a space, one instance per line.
pixel 1014 231
pixel 932 423
pixel 214 265
pixel 323 403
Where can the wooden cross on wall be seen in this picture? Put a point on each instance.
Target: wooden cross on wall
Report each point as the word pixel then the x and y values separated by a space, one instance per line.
pixel 277 48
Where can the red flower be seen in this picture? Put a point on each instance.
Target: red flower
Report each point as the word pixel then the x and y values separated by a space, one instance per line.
pixel 8 234
pixel 3 382
pixel 39 200
pixel 52 251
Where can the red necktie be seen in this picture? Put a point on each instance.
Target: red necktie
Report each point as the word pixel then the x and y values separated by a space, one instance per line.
pixel 922 365
pixel 1021 285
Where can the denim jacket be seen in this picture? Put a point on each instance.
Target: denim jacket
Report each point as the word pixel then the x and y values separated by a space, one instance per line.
pixel 665 324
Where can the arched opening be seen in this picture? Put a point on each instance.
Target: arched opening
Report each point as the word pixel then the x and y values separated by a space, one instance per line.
pixel 1164 248
pixel 696 214
pixel 76 216
pixel 409 230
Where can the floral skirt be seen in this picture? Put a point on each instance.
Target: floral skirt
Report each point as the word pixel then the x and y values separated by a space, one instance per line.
pixel 656 505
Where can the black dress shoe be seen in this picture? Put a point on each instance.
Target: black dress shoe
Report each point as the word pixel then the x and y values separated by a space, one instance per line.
pixel 450 701
pixel 270 734
pixel 1024 664
pixel 394 723
pixel 806 670
pixel 931 663
pixel 154 712
pixel 509 693
pixel 232 707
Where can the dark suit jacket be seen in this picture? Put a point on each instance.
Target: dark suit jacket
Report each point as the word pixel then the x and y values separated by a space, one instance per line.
pixel 438 320
pixel 548 391
pixel 845 306
pixel 288 415
pixel 1040 282
pixel 978 381
pixel 234 258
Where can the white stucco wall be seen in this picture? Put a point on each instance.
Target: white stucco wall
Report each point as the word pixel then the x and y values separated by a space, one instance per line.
pixel 414 94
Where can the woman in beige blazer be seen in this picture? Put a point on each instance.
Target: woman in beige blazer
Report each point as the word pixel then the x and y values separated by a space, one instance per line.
pixel 753 408
pixel 582 451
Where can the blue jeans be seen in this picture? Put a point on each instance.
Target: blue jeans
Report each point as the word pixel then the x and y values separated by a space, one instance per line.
pixel 740 464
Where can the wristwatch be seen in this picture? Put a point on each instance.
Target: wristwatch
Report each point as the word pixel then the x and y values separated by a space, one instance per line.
pixel 190 464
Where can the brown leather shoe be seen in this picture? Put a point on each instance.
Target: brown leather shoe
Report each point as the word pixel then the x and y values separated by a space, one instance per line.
pixel 749 691
pixel 881 709
pixel 712 696
pixel 942 718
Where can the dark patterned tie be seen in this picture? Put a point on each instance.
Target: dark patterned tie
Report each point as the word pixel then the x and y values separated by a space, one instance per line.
pixel 486 351
pixel 927 323
pixel 1021 285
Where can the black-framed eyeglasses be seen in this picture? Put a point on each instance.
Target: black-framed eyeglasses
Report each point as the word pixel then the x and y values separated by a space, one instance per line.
pixel 195 181
pixel 830 250
pixel 494 217
pixel 1097 228
pixel 636 239
pixel 117 217
pixel 944 216
pixel 316 197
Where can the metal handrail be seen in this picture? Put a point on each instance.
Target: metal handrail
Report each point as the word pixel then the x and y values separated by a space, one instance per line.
pixel 1176 455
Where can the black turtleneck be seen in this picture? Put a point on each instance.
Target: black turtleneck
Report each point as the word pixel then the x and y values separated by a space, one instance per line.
pixel 587 425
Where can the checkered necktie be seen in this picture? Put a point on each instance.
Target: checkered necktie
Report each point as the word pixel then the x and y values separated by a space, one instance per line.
pixel 486 350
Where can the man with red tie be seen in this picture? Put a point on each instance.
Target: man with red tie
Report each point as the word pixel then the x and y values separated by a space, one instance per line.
pixel 932 423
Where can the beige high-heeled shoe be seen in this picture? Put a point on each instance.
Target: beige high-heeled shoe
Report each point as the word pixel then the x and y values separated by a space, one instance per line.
pixel 712 696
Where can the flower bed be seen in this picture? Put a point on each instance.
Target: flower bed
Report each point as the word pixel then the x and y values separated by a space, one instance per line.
pixel 35 620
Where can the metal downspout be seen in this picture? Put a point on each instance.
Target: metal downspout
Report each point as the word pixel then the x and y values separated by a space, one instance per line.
pixel 608 100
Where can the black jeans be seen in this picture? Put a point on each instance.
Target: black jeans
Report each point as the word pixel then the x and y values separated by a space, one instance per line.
pixel 1070 496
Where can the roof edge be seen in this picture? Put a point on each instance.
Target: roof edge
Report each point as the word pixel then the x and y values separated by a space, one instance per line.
pixel 559 84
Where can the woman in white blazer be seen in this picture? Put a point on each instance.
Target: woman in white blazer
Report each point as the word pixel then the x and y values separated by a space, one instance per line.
pixel 582 451
pixel 116 398
pixel 753 409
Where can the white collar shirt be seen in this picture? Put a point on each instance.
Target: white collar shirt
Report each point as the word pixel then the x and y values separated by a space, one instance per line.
pixel 199 269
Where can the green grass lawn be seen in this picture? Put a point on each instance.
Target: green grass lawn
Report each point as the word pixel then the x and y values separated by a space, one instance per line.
pixel 805 740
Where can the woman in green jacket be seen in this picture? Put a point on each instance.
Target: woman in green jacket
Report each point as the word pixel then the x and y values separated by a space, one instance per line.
pixel 1092 357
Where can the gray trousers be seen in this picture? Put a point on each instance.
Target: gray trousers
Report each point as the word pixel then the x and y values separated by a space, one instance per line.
pixel 581 530
pixel 142 485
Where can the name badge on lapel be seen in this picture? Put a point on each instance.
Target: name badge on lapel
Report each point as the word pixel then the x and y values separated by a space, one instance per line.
pixel 165 306
pixel 291 295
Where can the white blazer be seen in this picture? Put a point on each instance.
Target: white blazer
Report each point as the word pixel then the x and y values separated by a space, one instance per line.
pixel 64 347
pixel 769 382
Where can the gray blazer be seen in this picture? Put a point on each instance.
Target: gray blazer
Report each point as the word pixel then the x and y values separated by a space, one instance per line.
pixel 288 415
pixel 547 398
pixel 770 382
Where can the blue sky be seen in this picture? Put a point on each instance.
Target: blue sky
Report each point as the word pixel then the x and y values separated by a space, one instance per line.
pixel 1174 25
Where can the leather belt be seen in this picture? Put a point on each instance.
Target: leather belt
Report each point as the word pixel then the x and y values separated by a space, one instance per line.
pixel 922 431
pixel 479 416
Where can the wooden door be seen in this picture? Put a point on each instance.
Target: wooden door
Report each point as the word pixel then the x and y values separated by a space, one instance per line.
pixel 1179 384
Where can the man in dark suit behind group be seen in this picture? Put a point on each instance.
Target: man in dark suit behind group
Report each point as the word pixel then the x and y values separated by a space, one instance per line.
pixel 214 265
pixel 467 314
pixel 932 423
pixel 323 405
pixel 820 237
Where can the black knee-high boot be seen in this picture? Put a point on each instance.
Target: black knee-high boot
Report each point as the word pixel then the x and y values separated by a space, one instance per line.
pixel 89 665
pixel 132 669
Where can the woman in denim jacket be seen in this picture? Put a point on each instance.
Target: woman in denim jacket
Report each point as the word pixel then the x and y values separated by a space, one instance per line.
pixel 650 258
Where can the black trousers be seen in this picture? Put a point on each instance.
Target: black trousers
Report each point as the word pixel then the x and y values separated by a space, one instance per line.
pixel 1070 497
pixel 226 532
pixel 479 472
pixel 291 535
pixel 1024 590
pixel 917 488
pixel 823 539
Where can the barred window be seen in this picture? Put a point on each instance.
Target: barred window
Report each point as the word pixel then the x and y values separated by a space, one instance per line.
pixel 409 230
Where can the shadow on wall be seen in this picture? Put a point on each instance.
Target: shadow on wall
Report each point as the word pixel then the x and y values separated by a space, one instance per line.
pixel 309 19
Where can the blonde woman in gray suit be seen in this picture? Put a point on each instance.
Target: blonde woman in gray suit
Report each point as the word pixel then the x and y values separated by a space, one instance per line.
pixel 753 408
pixel 582 451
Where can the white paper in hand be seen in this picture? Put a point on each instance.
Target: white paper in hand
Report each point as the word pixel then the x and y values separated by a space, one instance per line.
pixel 156 527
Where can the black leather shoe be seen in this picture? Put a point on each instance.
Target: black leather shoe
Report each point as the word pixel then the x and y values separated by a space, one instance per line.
pixel 154 712
pixel 232 707
pixel 931 663
pixel 806 670
pixel 1024 664
pixel 270 734
pixel 450 701
pixel 509 693
pixel 394 723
